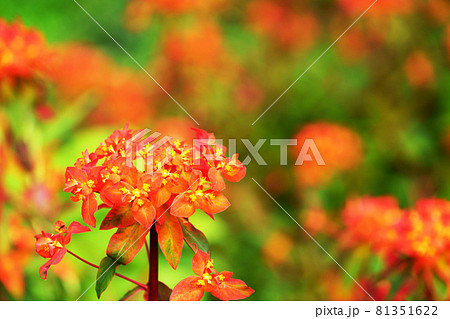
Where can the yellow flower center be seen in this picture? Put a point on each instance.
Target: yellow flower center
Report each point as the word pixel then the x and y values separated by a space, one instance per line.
pixel 207 277
pixel 115 169
pixel 210 263
pixel 136 192
pixel 90 183
pixel 201 282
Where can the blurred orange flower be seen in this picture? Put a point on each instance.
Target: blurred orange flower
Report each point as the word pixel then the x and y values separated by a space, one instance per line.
pixel 419 69
pixel 379 9
pixel 282 25
pixel 23 51
pixel 426 236
pixel 341 149
pixel 201 45
pixel 317 221
pixel 373 221
pixel 15 257
pixel 277 248
pixel 79 69
pixel 138 13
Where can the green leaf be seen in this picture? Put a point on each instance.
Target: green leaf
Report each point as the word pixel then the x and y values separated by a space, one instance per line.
pixel 193 236
pixel 130 293
pixel 105 274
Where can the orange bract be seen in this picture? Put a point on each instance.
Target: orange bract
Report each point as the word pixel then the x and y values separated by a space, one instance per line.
pixel 52 246
pixel 220 285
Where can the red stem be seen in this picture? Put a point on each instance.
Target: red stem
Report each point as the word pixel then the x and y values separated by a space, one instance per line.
pixel 153 266
pixel 118 275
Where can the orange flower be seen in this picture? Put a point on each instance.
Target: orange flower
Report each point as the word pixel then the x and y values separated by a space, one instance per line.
pixel 114 88
pixel 419 69
pixel 427 235
pixel 286 28
pixel 138 13
pixel 340 148
pixel 220 285
pixel 380 9
pixel 16 256
pixel 419 237
pixel 200 46
pixel 23 52
pixel 373 221
pixel 52 246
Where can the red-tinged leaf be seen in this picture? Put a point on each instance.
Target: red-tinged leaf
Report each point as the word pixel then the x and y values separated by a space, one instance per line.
pixel 161 215
pixel 56 259
pixel 217 182
pixel 232 289
pixel 164 292
pixel 170 237
pixel 216 205
pixel 187 290
pixel 131 293
pixel 145 215
pixel 105 274
pixel 182 206
pixel 199 262
pixel 118 217
pixel 193 237
pixel 88 209
pixel 126 243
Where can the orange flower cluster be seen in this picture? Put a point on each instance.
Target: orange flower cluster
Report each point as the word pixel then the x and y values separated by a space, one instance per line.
pixel 420 235
pixel 183 182
pixel 189 47
pixel 288 29
pixel 220 285
pixel 53 246
pixel 373 221
pixel 138 13
pixel 419 70
pixel 23 51
pixel 114 88
pixel 340 148
pixel 15 256
pixel 178 178
pixel 380 9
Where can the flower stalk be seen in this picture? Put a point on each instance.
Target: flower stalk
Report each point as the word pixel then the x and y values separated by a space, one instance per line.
pixel 152 285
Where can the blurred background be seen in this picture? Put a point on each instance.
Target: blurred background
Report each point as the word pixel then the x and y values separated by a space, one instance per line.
pixel 377 105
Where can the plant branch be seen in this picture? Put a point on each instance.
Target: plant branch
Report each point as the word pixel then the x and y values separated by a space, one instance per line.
pixel 118 275
pixel 147 249
pixel 152 285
